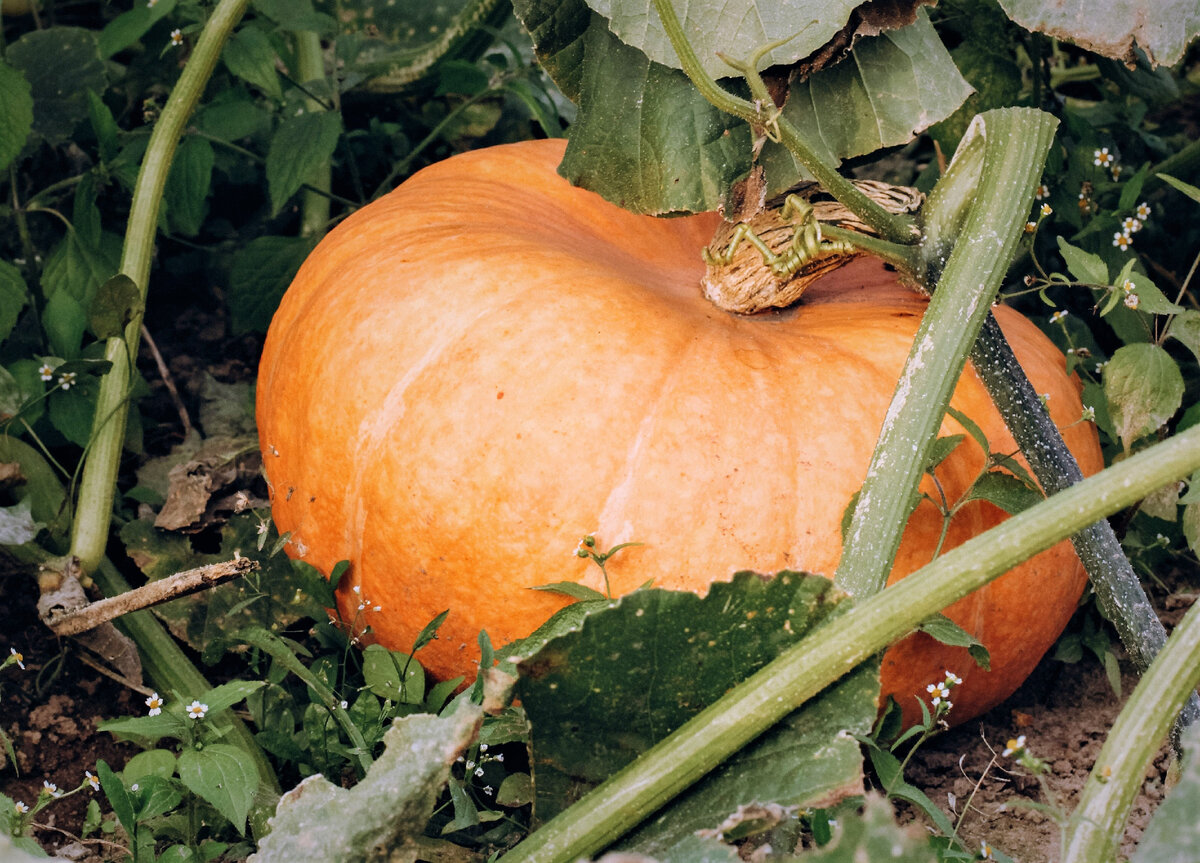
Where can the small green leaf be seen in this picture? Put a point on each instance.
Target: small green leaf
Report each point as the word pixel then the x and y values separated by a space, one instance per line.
pixel 115 304
pixel 118 797
pixel 16 113
pixel 1143 388
pixel 132 25
pixel 300 146
pixel 1004 490
pixel 147 729
pixel 515 790
pixel 1173 834
pixel 258 277
pixel 14 293
pixel 1084 266
pixel 1187 188
pixel 224 776
pixel 152 762
pixel 1191 526
pixel 228 694
pixel 104 126
pixel 248 55
pixel 61 65
pixel 383 670
pixel 1185 327
pixel 154 796
pixel 186 192
pixel 941 449
pixel 947 631
pixel 572 589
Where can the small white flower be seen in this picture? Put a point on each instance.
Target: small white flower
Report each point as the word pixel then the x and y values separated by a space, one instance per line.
pixel 1127 286
pixel 1142 211
pixel 952 678
pixel 1058 316
pixel 1046 210
pixel 133 787
pixel 50 788
pixel 1122 241
pixel 1132 301
pixel 1130 225
pixel 155 703
pixel 196 710
pixel 478 771
pixel 1089 413
pixel 1014 746
pixel 46 372
pixel 21 808
pixel 66 380
pixel 18 657
pixel 1043 192
pixel 344 705
pixel 91 780
pixel 1102 158
pixel 1116 172
pixel 1030 227
pixel 176 37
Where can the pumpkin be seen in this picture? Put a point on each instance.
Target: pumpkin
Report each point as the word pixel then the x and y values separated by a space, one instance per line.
pixel 475 371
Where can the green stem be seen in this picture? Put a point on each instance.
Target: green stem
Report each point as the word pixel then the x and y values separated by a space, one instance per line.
pixel 1015 142
pixel 763 114
pixel 906 258
pixel 801 671
pixel 98 485
pixel 314 204
pixel 1118 589
pixel 1096 826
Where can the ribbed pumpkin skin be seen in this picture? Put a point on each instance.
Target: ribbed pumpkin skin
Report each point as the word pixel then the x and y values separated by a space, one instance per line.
pixel 475 371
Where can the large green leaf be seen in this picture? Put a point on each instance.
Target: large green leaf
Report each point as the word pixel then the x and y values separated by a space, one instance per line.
pixel 61 65
pixel 16 113
pixel 1114 28
pixel 731 27
pixel 1143 387
pixel 600 695
pixel 647 140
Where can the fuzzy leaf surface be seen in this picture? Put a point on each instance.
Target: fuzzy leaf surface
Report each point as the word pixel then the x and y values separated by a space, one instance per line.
pixel 633 672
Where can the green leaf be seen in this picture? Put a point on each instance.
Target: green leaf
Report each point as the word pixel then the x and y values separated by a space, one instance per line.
pixel 104 126
pixel 947 631
pixel 1004 490
pixel 647 140
pixel 248 55
pixel 41 489
pixel 14 293
pixel 228 694
pixel 1115 28
pixel 154 796
pixel 385 814
pixel 873 835
pixel 258 277
pixel 1084 266
pixel 942 448
pixel 114 306
pixel 1143 388
pixel 75 270
pixel 16 113
pixel 118 797
pixel 572 589
pixel 132 25
pixel 223 775
pixel 61 65
pixel 382 670
pixel 1190 521
pixel 1173 834
pixel 152 762
pixel 1150 298
pixel 635 670
pixel 300 146
pixel 1187 188
pixel 147 729
pixel 186 192
pixel 1185 327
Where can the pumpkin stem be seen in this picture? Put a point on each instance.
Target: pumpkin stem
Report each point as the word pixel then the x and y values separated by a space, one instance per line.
pixel 769 260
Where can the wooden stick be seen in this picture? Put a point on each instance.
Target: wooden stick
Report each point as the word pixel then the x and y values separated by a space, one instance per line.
pixel 156 592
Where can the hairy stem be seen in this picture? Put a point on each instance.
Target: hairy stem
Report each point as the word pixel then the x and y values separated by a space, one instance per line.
pixel 804 669
pixel 1118 589
pixel 1014 144
pixel 1096 826
pixel 97 486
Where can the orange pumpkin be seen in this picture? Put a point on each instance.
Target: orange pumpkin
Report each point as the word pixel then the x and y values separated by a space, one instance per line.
pixel 487 364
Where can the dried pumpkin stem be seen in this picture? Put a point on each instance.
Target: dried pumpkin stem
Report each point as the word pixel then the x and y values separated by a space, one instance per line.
pixel 1096 826
pixel 601 817
pixel 1118 589
pixel 1010 147
pixel 97 486
pixel 763 114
